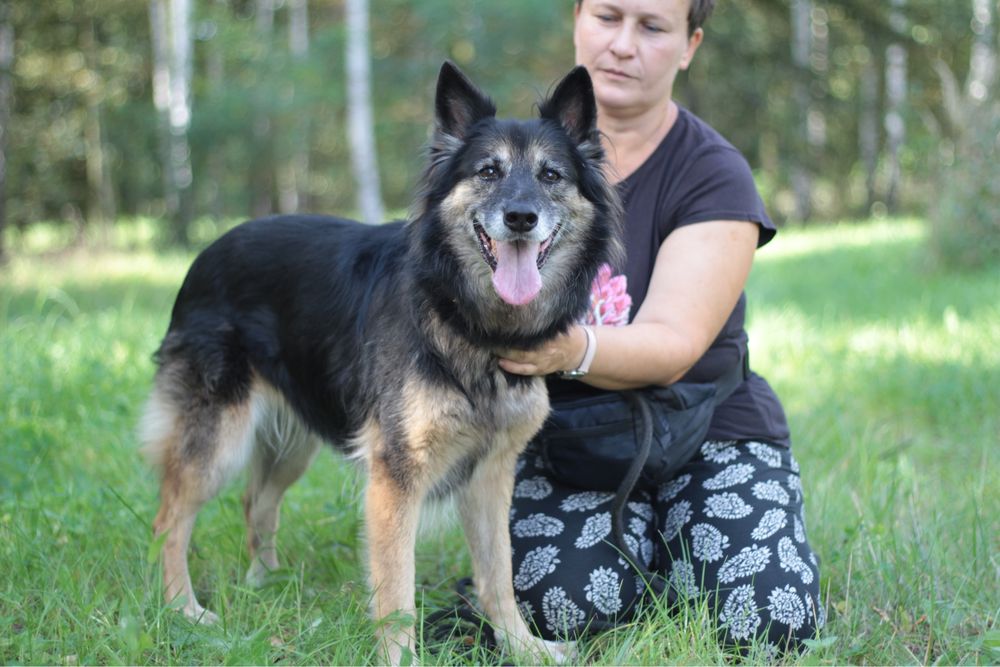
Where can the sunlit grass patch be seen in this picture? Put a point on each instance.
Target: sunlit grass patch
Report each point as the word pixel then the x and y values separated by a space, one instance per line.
pixel 888 369
pixel 838 237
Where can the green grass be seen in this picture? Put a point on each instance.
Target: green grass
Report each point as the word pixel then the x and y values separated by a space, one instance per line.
pixel 889 370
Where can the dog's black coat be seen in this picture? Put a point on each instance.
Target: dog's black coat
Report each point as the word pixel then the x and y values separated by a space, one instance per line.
pixel 333 313
pixel 292 296
pixel 383 341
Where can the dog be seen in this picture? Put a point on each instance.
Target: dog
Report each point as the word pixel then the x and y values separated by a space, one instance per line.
pixel 291 331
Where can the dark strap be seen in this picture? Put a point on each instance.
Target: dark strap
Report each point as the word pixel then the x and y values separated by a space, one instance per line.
pixel 732 379
pixel 462 629
pixel 724 388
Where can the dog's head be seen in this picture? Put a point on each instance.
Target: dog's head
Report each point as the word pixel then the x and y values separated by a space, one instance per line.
pixel 522 208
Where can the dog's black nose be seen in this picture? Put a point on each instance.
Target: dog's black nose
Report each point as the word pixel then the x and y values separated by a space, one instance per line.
pixel 520 221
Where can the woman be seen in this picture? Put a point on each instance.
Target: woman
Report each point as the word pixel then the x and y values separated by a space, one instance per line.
pixel 729 525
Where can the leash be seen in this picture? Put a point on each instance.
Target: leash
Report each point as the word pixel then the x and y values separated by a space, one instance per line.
pixel 464 626
pixel 656 582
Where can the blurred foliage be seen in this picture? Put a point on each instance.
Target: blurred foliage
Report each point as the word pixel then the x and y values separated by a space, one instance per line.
pixel 741 82
pixel 965 222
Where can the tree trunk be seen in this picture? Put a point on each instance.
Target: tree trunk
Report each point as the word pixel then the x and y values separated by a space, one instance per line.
pixel 360 120
pixel 868 134
pixel 181 68
pixel 159 39
pixel 6 67
pixel 262 169
pixel 215 72
pixel 292 186
pixel 895 95
pixel 801 49
pixel 170 30
pixel 100 190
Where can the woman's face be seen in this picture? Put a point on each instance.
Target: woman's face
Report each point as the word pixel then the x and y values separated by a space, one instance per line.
pixel 633 50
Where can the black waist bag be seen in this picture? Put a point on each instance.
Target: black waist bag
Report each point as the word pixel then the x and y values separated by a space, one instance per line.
pixel 593 442
pixel 621 440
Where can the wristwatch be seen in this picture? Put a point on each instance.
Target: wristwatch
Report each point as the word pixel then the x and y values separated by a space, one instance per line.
pixel 588 357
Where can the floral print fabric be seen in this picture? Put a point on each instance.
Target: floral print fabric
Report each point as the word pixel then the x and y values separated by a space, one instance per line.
pixel 728 526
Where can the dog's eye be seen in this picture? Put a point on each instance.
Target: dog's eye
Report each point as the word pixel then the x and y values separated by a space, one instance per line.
pixel 551 176
pixel 489 173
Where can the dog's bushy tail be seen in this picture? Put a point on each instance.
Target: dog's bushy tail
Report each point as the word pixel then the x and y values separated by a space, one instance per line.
pixel 213 355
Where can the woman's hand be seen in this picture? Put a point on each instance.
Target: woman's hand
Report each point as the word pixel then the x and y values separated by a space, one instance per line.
pixel 699 274
pixel 562 353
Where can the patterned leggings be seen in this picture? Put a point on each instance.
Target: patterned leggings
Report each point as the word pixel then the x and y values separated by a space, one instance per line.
pixel 728 526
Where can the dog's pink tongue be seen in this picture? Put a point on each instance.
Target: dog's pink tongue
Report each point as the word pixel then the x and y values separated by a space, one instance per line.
pixel 516 277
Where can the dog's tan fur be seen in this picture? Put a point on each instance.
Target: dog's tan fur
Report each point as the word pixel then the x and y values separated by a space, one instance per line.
pixel 197 453
pixel 382 341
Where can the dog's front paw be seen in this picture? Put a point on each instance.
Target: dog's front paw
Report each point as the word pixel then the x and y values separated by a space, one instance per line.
pixel 561 653
pixel 199 614
pixel 542 651
pixel 258 573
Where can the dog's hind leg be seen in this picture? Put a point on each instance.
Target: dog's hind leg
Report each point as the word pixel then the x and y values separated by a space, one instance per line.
pixel 283 452
pixel 199 446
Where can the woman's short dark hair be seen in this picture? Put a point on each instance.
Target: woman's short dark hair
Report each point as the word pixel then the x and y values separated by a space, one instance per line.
pixel 697 15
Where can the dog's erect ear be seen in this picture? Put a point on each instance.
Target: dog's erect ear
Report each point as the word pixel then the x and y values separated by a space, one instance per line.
pixel 573 106
pixel 459 104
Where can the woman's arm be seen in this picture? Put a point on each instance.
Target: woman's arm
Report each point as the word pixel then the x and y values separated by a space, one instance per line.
pixel 698 276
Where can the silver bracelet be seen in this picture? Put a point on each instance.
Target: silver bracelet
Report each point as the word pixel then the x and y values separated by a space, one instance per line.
pixel 588 357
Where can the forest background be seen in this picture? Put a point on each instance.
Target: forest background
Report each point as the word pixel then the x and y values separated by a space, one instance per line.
pixel 134 131
pixel 181 110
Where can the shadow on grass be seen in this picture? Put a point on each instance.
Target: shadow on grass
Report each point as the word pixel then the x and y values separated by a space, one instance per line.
pixel 140 296
pixel 883 435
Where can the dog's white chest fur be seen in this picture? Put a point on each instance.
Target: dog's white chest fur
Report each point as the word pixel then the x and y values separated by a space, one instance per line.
pixel 442 428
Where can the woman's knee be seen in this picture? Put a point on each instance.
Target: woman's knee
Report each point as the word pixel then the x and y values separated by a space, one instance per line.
pixel 580 602
pixel 779 611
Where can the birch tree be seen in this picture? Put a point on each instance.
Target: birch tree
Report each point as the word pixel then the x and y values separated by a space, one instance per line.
pixel 6 67
pixel 895 95
pixel 100 195
pixel 360 120
pixel 801 48
pixel 868 127
pixel 294 175
pixel 215 74
pixel 262 169
pixel 170 32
